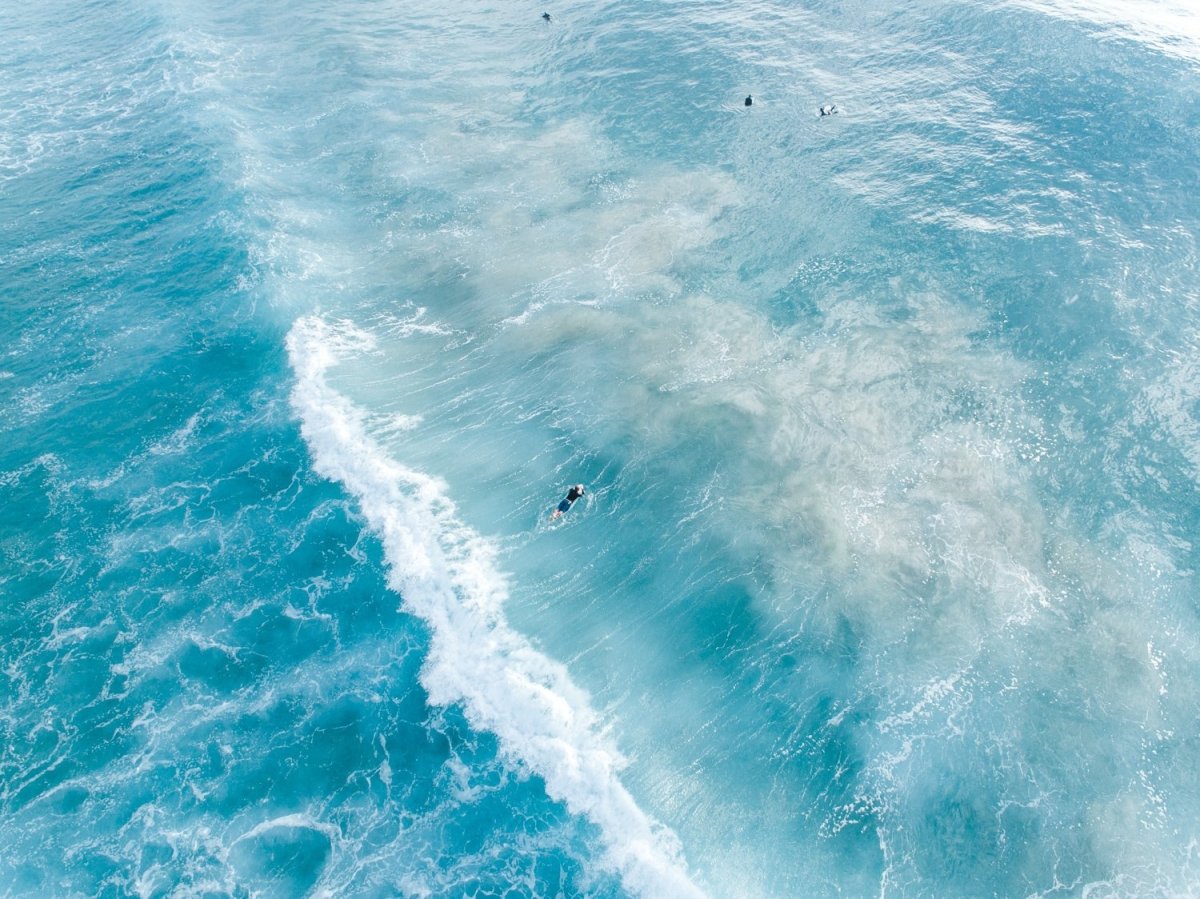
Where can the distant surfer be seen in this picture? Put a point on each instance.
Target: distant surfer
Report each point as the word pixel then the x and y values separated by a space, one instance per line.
pixel 749 100
pixel 546 16
pixel 831 109
pixel 573 494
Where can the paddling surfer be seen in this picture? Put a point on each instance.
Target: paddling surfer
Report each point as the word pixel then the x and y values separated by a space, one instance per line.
pixel 573 494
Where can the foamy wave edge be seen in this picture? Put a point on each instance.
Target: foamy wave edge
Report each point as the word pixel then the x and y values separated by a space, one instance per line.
pixel 445 574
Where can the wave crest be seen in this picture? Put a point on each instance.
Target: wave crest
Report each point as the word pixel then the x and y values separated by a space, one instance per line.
pixel 445 574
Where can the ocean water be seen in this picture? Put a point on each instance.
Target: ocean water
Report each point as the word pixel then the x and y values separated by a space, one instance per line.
pixel 885 582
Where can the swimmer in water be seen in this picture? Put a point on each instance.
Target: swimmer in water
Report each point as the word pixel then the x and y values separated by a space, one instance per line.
pixel 831 109
pixel 546 16
pixel 573 494
pixel 749 101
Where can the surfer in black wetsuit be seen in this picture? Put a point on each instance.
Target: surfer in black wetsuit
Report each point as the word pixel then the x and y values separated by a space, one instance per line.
pixel 749 101
pixel 573 494
pixel 546 16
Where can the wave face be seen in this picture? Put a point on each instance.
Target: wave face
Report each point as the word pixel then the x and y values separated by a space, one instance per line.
pixel 447 577
pixel 885 582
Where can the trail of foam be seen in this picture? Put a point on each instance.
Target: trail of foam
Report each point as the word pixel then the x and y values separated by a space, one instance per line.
pixel 445 574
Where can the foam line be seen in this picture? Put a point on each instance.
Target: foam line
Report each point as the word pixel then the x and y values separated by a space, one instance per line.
pixel 444 573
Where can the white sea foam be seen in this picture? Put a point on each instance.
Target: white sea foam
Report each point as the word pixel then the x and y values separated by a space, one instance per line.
pixel 446 575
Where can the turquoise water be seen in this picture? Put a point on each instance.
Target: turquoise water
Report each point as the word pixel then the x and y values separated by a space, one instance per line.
pixel 885 581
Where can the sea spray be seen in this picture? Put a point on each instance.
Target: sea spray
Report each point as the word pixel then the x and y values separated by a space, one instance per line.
pixel 446 575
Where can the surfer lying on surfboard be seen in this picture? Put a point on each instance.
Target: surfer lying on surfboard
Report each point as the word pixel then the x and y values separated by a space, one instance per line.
pixel 573 494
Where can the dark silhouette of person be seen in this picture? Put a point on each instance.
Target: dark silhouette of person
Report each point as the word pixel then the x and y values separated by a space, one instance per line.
pixel 749 101
pixel 546 16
